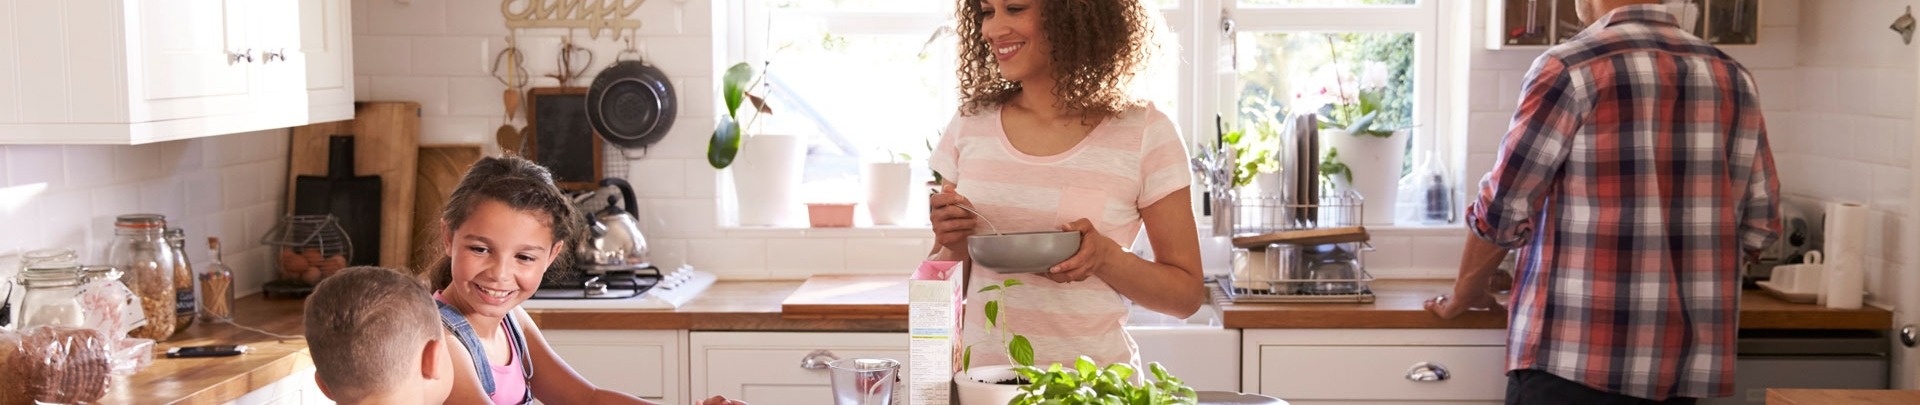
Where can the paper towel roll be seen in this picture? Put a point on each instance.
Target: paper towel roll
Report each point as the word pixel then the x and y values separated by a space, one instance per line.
pixel 1846 253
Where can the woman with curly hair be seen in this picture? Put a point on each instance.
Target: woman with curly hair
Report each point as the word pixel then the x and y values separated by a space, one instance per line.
pixel 1048 137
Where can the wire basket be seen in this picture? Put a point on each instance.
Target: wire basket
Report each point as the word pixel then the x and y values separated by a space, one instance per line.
pixel 311 247
pixel 1253 214
pixel 1291 273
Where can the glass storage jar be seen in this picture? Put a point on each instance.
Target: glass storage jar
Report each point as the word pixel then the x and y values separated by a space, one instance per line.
pixel 52 292
pixel 183 303
pixel 141 251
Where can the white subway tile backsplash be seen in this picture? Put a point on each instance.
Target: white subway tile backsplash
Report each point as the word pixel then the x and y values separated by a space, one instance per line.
pixel 657 178
pixel 682 56
pixel 466 17
pixel 1511 82
pixel 1893 93
pixel 1778 48
pixel 362 88
pixel 480 97
pixel 1779 88
pixel 1390 254
pixel 430 92
pixel 1856 90
pixel 240 187
pixel 62 206
pixel 1836 135
pixel 1479 99
pixel 679 218
pixel 437 130
pixel 162 196
pixel 36 164
pixel 1485 129
pixel 687 139
pixel 697 97
pixel 412 17
pixel 1819 90
pixel 1890 187
pixel 701 179
pixel 264 145
pixel 668 253
pixel 203 193
pixel 137 162
pixel 891 254
pixel 375 55
pixel 88 165
pixel 452 56
pixel 799 258
pixel 729 258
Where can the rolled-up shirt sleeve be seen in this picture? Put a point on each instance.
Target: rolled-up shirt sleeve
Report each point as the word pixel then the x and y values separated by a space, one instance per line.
pixel 1553 104
pixel 1752 163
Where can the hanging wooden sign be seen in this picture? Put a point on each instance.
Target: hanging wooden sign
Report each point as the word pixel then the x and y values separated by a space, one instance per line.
pixel 593 15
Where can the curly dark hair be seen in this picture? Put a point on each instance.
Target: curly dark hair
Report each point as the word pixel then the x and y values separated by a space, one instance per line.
pixel 1098 47
pixel 519 183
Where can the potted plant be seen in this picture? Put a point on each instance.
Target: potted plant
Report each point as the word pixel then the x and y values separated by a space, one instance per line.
pixel 765 167
pixel 1088 383
pixel 1349 104
pixel 994 385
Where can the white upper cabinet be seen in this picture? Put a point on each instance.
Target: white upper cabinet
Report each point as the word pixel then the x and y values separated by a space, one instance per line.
pixel 141 71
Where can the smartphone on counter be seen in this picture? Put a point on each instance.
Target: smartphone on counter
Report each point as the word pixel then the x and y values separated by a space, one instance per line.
pixel 207 351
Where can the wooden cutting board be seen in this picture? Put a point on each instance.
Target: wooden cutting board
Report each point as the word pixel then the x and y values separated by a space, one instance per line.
pixel 386 138
pixel 441 167
pixel 848 297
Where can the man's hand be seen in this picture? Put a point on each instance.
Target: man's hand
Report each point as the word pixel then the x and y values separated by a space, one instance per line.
pixel 1447 307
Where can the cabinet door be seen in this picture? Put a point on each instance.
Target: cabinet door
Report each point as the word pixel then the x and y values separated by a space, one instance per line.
pixel 767 368
pixel 186 51
pixel 645 363
pixel 1380 373
pixel 280 69
pixel 325 31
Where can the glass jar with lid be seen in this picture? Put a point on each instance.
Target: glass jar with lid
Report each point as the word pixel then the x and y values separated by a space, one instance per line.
pixel 52 282
pixel 140 250
pixel 183 304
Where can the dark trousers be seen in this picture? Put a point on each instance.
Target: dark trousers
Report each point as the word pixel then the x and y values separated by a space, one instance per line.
pixel 1529 387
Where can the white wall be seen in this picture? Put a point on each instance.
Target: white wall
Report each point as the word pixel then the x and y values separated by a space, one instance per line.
pixel 232 187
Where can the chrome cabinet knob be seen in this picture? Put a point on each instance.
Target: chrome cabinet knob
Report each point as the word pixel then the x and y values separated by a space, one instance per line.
pixel 817 360
pixel 273 55
pixel 1907 335
pixel 1428 372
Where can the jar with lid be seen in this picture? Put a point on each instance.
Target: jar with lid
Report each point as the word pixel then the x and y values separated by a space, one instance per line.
pixel 52 282
pixel 140 249
pixel 183 303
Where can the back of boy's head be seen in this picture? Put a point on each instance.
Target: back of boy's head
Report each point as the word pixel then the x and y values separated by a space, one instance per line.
pixel 366 327
pixel 518 183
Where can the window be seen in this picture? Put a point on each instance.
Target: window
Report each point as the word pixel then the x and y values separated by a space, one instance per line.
pixel 874 78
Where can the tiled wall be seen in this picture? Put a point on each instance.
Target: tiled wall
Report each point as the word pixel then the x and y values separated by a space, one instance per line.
pixel 228 186
pixel 438 52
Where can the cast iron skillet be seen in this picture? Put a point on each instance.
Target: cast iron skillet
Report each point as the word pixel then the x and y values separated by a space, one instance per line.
pixel 631 104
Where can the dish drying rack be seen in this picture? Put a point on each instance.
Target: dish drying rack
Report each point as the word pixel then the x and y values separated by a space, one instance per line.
pixel 1282 272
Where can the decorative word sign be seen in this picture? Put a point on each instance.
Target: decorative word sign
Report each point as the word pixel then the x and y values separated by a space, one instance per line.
pixel 593 15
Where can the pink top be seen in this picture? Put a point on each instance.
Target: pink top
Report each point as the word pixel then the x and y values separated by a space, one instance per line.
pixel 1129 161
pixel 509 386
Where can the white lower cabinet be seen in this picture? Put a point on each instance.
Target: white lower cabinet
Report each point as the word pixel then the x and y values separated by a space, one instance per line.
pixel 1376 366
pixel 772 367
pixel 646 363
pixel 296 389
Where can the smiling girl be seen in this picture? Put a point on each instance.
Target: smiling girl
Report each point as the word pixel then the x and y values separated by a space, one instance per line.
pixel 504 225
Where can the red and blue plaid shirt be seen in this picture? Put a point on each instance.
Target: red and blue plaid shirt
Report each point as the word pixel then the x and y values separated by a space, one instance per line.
pixel 1635 173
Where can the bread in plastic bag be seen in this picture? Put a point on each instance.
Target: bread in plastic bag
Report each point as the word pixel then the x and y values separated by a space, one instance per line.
pixel 13 385
pixel 65 365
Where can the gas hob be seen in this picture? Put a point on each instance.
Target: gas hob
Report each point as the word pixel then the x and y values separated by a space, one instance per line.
pixel 648 288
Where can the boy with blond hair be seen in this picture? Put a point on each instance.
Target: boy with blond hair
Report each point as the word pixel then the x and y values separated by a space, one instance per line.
pixel 376 339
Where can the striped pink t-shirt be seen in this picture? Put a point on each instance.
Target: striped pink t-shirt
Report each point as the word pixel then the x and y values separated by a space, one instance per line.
pixel 1127 162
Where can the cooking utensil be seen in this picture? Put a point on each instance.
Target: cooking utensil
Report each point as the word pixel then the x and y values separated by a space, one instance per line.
pixel 568 52
pixel 355 199
pixel 631 104
pixel 1026 252
pixel 515 78
pixel 614 242
pixel 996 230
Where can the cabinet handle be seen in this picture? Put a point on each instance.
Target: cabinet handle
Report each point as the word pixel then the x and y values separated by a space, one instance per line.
pixel 237 57
pixel 1428 372
pixel 817 360
pixel 273 55
pixel 1907 335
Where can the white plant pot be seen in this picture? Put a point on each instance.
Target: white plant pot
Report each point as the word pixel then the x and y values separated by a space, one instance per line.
pixel 975 386
pixel 1375 163
pixel 889 188
pixel 766 179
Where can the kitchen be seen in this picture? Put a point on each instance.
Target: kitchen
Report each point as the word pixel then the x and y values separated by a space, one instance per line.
pixel 1839 88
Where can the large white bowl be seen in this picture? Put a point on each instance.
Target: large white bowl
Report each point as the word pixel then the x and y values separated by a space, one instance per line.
pixel 1028 252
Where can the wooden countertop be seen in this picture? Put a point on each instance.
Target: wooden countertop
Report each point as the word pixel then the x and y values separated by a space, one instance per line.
pixel 213 380
pixel 1397 304
pixel 859 303
pixel 1841 397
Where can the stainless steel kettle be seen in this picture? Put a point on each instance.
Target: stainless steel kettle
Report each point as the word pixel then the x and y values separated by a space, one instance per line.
pixel 614 242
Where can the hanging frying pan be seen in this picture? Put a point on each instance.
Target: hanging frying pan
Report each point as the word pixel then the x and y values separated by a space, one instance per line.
pixel 631 105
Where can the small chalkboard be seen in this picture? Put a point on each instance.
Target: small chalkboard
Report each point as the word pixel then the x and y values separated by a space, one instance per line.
pixel 561 138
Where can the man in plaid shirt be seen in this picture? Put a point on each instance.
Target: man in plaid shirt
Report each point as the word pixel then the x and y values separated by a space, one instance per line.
pixel 1634 177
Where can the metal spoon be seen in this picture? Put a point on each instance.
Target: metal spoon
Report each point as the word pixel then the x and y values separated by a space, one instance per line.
pixel 996 230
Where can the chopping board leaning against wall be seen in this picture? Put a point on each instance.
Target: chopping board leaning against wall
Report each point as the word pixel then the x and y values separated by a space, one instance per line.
pixel 386 143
